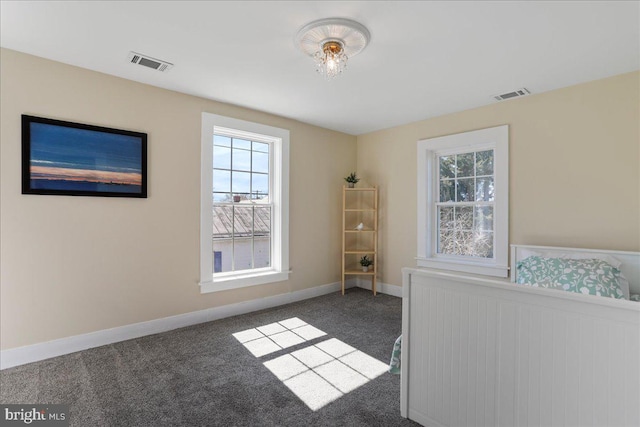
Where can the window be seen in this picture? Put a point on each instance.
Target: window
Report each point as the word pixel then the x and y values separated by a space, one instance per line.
pixel 463 206
pixel 244 216
pixel 241 203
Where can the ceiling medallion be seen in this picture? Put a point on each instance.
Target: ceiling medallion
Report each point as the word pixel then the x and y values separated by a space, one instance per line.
pixel 331 42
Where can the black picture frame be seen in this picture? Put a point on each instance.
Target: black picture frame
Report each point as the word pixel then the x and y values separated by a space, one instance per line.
pixel 75 159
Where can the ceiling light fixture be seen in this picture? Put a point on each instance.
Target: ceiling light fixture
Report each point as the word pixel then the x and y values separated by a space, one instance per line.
pixel 331 42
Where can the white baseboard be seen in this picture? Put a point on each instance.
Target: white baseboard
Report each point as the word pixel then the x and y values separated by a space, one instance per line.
pixel 383 288
pixel 46 350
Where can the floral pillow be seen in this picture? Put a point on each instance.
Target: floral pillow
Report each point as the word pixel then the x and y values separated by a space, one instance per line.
pixel 586 276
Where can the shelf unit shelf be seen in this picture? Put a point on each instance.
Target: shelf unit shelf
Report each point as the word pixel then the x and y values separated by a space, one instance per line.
pixel 359 273
pixel 359 205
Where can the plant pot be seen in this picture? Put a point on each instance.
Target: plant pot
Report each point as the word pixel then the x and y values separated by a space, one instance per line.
pixel 236 199
pixel 365 269
pixel 351 184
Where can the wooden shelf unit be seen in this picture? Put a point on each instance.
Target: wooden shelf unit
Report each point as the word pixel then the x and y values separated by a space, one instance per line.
pixel 359 205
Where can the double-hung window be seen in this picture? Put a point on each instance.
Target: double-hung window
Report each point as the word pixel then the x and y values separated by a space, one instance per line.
pixel 244 215
pixel 463 204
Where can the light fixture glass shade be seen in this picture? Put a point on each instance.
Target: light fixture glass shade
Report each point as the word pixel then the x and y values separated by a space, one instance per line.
pixel 331 42
pixel 330 60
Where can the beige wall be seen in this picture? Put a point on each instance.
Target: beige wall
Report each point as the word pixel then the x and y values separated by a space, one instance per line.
pixel 72 265
pixel 574 169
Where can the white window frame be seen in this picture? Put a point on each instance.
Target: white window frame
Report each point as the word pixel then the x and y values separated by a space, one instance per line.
pixel 496 138
pixel 279 176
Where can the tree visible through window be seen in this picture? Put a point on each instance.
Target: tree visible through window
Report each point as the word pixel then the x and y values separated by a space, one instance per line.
pixel 465 204
pixel 241 203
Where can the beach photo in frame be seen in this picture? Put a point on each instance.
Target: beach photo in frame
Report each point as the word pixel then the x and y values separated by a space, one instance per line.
pixel 66 158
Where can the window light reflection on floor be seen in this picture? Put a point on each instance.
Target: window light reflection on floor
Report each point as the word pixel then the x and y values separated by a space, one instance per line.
pixel 317 374
pixel 276 336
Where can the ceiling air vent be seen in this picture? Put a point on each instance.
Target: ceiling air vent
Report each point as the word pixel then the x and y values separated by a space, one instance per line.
pixel 147 61
pixel 516 93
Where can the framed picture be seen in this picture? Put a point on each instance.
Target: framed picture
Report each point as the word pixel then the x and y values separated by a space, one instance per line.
pixel 76 159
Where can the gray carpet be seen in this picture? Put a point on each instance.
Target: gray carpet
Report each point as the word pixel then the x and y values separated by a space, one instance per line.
pixel 203 376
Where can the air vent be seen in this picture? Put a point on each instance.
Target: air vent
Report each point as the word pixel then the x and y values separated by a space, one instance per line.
pixel 516 93
pixel 147 61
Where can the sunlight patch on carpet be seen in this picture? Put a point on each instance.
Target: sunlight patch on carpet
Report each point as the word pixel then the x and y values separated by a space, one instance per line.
pixel 317 374
pixel 276 336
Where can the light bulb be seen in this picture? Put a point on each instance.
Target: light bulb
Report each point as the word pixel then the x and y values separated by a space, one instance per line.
pixel 331 59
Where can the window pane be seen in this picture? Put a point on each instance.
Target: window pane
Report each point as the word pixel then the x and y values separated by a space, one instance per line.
pixel 262 220
pixel 242 253
pixel 484 189
pixel 447 167
pixel 221 157
pixel 260 146
pixel 242 221
pixel 445 215
pixel 484 218
pixel 465 190
pixel 222 243
pixel 241 160
pixel 262 237
pixel 484 163
pixel 222 220
pixel 472 244
pixel 221 181
pixel 446 242
pixel 472 233
pixel 447 193
pixel 464 243
pixel 243 237
pixel 241 143
pixel 222 197
pixel 482 245
pixel 465 165
pixel 260 162
pixel 464 217
pixel 241 182
pixel 260 186
pixel 222 140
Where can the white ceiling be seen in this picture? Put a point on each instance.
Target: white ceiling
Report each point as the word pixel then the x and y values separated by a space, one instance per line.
pixel 425 59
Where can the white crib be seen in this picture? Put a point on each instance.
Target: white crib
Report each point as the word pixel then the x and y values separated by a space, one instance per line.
pixel 486 352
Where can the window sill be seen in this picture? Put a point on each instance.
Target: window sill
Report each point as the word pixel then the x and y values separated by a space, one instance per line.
pixel 240 280
pixel 465 267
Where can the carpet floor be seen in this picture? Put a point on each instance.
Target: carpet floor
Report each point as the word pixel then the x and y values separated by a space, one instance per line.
pixel 305 363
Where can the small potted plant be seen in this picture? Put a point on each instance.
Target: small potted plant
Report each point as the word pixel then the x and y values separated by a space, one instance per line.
pixel 365 262
pixel 352 180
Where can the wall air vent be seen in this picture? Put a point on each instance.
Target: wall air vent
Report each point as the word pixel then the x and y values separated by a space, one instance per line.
pixel 516 93
pixel 147 61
